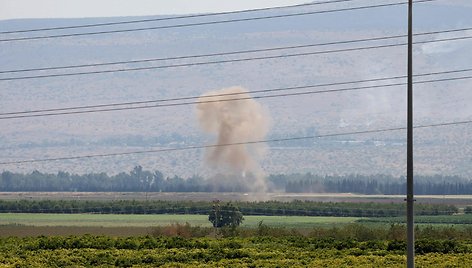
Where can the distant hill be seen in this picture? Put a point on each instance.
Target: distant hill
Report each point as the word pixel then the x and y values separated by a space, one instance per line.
pixel 444 150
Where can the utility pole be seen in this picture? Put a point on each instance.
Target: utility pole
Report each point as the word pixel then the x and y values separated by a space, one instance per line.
pixel 410 237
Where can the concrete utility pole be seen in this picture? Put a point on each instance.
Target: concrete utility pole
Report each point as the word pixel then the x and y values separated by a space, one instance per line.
pixel 409 165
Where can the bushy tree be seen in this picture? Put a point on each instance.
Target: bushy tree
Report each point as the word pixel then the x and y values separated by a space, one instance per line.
pixel 227 215
pixel 468 210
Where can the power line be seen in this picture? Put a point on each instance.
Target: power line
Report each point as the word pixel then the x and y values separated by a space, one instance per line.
pixel 173 17
pixel 229 61
pixel 25 114
pixel 199 102
pixel 231 52
pixel 204 55
pixel 235 144
pixel 211 22
pixel 236 99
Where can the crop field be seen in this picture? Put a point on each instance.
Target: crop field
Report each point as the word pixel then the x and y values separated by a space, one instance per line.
pixel 257 251
pixel 188 240
pixel 465 219
pixel 31 224
pixel 203 196
pixel 166 240
pixel 114 220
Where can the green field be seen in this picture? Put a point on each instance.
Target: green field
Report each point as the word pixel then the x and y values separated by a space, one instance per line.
pixel 114 220
pixel 464 219
pixel 31 224
pixel 111 240
pixel 255 251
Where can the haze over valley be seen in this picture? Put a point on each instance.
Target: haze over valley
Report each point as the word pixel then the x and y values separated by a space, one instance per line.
pixel 440 150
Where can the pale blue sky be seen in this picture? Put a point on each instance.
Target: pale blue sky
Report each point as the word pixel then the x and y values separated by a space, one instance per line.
pixel 15 9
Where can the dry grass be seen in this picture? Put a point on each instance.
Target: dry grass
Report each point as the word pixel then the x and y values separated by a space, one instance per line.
pixel 24 231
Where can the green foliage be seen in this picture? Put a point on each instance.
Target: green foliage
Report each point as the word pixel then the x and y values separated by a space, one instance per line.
pixel 442 219
pixel 182 230
pixel 227 215
pixel 424 246
pixel 261 251
pixel 140 180
pixel 397 246
pixel 396 231
pixel 270 208
pixel 468 210
pixel 263 230
pixel 372 184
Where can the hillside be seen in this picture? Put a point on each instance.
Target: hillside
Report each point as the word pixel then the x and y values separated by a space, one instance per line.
pixel 443 150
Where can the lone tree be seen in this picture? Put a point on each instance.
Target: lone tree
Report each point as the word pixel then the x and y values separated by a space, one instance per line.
pixel 225 215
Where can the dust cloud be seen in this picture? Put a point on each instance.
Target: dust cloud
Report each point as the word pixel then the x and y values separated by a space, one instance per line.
pixel 235 122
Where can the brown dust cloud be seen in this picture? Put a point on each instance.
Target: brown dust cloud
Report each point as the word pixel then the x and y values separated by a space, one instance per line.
pixel 234 122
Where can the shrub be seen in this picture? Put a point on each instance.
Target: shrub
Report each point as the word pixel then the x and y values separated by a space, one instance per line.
pixel 424 246
pixel 396 245
pixel 181 230
pixel 468 210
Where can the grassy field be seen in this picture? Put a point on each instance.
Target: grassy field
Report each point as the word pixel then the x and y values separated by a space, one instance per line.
pixel 125 220
pixel 464 219
pixel 29 224
pixel 113 220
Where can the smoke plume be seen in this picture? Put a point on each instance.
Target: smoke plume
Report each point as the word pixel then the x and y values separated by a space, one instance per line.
pixel 235 122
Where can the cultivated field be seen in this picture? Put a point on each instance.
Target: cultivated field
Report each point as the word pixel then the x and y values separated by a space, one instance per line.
pixel 32 224
pixel 203 196
pixel 257 251
pixel 21 224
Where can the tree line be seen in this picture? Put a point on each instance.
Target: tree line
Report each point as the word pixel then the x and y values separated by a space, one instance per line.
pixel 140 180
pixel 353 185
pixel 270 208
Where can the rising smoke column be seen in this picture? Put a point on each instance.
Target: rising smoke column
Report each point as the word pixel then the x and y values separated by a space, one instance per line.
pixel 234 122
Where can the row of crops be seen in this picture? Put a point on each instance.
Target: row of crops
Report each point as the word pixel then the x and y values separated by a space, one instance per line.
pixel 257 251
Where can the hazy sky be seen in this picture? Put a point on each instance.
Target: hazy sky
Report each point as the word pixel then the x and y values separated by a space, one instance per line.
pixel 15 9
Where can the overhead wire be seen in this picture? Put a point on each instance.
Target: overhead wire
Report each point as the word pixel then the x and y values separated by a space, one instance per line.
pixel 212 22
pixel 288 94
pixel 70 110
pixel 229 61
pixel 234 144
pixel 232 52
pixel 174 17
pixel 204 55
